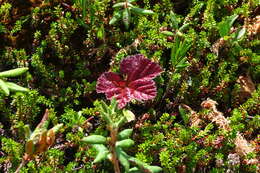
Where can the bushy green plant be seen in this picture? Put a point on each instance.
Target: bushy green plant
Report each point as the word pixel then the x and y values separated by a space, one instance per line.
pixel 112 148
pixel 207 49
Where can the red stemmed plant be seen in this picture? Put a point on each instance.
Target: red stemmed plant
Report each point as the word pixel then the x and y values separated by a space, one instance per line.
pixel 135 81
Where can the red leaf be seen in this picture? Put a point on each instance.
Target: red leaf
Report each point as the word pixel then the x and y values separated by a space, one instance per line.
pixel 142 89
pixel 139 67
pixel 139 85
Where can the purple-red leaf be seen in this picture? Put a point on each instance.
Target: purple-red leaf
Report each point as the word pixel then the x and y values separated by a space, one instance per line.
pixel 139 72
pixel 139 67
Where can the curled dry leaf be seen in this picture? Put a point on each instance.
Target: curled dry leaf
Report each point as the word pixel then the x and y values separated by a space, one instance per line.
pixel 247 86
pixel 243 147
pixel 194 117
pixel 254 27
pixel 215 116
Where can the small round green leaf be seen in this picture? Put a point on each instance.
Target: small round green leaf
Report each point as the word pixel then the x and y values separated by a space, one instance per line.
pixel 95 139
pixel 102 153
pixel 125 134
pixel 125 143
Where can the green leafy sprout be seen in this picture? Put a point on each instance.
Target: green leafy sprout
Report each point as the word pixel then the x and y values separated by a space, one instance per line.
pixel 124 10
pixel 112 148
pixel 6 86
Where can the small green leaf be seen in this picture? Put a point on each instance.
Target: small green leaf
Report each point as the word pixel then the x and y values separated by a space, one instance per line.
pixel 4 87
pixel 225 25
pixel 174 20
pixel 56 128
pixel 184 115
pixel 27 131
pixel 125 134
pixel 114 104
pixel 102 153
pixel 135 170
pixel 14 72
pixel 126 17
pixel 2 28
pixel 141 11
pixel 116 17
pixel 100 32
pixel 105 112
pixel 256 59
pixel 104 106
pixel 122 4
pixel 123 158
pixel 154 169
pixel 240 33
pixel 95 139
pixel 125 143
pixel 14 87
pixel 184 27
pixel 120 122
pixel 130 116
pixel 168 33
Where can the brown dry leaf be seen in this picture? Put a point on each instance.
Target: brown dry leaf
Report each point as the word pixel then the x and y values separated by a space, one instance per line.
pixel 194 117
pixel 243 147
pixel 215 116
pixel 216 47
pixel 254 28
pixel 246 84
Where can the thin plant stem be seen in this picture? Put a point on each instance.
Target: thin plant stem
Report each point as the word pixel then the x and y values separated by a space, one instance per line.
pixel 24 162
pixel 113 135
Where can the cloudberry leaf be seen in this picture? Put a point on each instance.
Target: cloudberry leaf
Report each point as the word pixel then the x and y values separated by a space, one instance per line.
pixel 139 72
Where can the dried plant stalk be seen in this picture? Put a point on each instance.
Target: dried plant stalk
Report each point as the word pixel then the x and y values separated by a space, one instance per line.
pixel 194 117
pixel 243 147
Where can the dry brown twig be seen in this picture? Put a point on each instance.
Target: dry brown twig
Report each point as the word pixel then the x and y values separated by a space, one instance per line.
pixel 243 147
pixel 194 117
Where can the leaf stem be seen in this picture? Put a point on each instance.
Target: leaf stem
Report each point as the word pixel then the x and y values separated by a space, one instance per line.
pixel 113 135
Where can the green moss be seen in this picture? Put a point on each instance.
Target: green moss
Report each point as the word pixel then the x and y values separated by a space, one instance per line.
pixel 67 45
